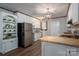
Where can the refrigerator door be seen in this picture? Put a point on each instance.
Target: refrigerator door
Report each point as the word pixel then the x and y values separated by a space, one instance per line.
pixel 28 27
pixel 27 38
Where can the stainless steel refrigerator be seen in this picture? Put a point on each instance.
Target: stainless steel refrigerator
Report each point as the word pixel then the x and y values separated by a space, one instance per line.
pixel 24 34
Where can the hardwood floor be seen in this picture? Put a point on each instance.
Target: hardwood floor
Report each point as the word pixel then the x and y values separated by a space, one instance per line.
pixel 34 50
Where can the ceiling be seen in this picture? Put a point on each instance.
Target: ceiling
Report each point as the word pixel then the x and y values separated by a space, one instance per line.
pixel 38 9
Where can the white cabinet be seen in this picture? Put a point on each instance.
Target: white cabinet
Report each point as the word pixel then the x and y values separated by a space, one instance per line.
pixel 36 23
pixel 52 49
pixel 6 46
pixel 37 36
pixel 9 45
pixel 73 12
pixel 28 19
pixel 23 18
pixel 49 49
pixel 8 32
pixel 72 51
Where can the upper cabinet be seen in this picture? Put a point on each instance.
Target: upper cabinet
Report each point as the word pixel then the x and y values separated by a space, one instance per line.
pixel 36 23
pixel 27 19
pixel 73 12
pixel 21 17
pixel 24 18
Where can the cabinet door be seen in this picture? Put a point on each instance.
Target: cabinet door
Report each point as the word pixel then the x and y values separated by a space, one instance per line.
pixel 30 20
pixel 36 23
pixel 6 46
pixel 49 49
pixel 77 52
pixel 75 12
pixel 1 40
pixel 9 45
pixel 72 51
pixel 37 36
pixel 13 44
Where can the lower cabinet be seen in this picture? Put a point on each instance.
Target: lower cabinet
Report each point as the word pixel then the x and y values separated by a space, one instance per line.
pixel 9 45
pixel 72 51
pixel 37 36
pixel 50 49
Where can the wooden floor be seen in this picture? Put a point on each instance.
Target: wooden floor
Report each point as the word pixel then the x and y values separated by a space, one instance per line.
pixel 34 50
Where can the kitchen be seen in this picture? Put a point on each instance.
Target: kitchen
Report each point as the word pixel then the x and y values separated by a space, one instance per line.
pixel 54 29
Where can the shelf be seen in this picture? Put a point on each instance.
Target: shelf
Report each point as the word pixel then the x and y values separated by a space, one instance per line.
pixel 76 23
pixel 10 22
pixel 10 33
pixel 9 28
pixel 8 38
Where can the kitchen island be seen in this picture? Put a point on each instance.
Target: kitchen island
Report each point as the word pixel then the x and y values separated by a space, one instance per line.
pixel 59 46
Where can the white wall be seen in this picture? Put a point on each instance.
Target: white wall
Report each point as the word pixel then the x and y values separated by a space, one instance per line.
pixel 56 26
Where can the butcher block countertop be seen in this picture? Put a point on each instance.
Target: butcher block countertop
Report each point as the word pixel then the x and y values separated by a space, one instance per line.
pixel 61 40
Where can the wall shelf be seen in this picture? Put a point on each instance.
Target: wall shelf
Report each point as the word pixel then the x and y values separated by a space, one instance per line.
pixel 76 23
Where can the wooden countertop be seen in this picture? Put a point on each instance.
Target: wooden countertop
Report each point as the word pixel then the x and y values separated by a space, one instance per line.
pixel 61 40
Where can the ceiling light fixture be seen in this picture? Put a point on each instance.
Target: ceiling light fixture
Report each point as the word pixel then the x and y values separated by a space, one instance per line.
pixel 48 14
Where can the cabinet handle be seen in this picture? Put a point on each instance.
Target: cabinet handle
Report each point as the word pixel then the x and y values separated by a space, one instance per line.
pixel 69 52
